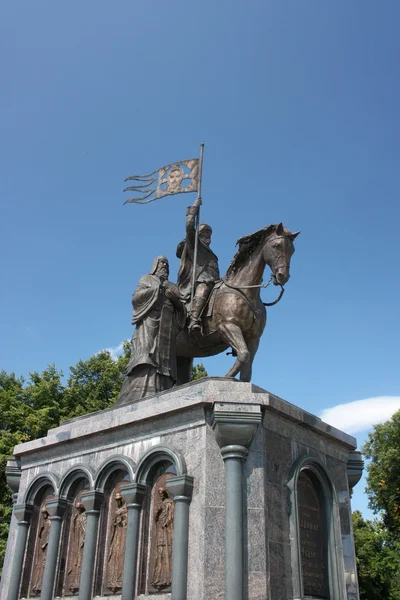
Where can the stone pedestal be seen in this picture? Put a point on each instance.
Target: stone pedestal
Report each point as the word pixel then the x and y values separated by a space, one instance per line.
pixel 260 492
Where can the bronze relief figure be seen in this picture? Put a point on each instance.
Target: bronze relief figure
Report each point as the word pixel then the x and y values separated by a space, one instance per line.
pixel 76 545
pixel 42 542
pixel 116 547
pixel 163 534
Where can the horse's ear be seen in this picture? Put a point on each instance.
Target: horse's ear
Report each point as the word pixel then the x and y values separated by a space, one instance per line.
pixel 294 235
pixel 279 229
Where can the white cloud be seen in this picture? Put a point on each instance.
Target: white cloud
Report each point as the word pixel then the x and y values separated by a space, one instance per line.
pixel 116 351
pixel 361 414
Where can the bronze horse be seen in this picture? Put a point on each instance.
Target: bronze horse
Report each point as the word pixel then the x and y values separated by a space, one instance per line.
pixel 238 315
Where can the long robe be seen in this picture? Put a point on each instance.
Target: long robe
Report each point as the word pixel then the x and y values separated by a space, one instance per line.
pixel 152 365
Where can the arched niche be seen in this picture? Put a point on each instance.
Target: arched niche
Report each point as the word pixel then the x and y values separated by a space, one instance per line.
pixel 112 475
pixel 42 488
pixel 316 547
pixel 75 482
pixel 156 455
pixel 154 468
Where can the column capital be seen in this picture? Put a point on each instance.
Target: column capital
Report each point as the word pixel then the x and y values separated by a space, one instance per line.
pixel 180 488
pixel 133 494
pixel 13 476
pixel 23 512
pixel 56 508
pixel 355 467
pixel 92 501
pixel 234 429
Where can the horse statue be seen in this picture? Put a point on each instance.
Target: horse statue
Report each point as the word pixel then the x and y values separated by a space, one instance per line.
pixel 236 316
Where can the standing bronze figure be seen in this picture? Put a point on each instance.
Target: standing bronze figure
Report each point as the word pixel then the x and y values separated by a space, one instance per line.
pixel 115 558
pixel 236 315
pixel 158 315
pixel 164 524
pixel 42 543
pixel 206 268
pixel 75 550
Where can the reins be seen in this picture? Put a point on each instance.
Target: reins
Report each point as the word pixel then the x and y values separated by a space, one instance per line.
pixel 249 287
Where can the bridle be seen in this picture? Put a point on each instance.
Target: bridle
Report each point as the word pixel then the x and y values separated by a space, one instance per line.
pixel 238 289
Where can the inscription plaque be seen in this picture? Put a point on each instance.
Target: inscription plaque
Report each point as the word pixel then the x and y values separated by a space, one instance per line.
pixel 313 542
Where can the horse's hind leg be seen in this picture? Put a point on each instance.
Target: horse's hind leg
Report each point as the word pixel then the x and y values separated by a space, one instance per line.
pixel 232 335
pixel 184 369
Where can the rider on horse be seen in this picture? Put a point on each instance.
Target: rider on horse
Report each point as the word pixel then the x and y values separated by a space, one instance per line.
pixel 207 271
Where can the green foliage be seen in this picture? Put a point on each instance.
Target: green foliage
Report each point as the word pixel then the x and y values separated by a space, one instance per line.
pixel 28 409
pixel 383 480
pixel 94 384
pixel 378 560
pixel 198 371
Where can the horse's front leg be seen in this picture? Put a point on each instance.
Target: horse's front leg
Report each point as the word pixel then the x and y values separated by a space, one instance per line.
pixel 232 335
pixel 252 345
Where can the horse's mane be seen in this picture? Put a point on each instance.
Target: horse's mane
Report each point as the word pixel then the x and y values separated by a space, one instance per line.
pixel 247 244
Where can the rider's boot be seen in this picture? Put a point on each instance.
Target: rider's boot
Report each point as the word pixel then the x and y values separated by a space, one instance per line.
pixel 197 307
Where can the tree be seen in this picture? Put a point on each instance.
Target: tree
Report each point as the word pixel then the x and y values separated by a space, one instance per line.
pixel 94 384
pixel 383 479
pixel 198 372
pixel 378 560
pixel 27 410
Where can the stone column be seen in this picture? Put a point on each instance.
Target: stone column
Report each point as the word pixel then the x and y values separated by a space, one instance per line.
pixel 355 467
pixel 181 489
pixel 56 509
pixel 92 502
pixel 133 495
pixel 13 477
pixel 23 514
pixel 234 429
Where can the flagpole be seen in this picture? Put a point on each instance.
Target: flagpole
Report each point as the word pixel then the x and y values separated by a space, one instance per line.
pixel 196 240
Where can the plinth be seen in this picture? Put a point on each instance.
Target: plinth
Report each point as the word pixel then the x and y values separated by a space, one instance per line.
pixel 216 489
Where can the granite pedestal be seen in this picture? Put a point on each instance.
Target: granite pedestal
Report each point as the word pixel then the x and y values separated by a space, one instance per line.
pixel 261 494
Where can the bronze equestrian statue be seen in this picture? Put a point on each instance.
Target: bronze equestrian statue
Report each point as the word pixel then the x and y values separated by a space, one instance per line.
pixel 236 316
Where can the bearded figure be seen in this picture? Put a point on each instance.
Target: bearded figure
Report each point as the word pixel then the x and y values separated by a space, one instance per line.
pixel 159 316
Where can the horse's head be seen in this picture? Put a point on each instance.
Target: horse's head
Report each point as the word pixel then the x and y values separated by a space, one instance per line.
pixel 277 253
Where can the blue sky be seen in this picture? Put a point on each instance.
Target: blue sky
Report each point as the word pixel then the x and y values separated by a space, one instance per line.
pixel 297 103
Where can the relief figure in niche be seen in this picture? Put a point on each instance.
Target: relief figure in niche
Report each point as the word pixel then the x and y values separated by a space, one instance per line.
pixel 42 543
pixel 115 557
pixel 76 544
pixel 164 532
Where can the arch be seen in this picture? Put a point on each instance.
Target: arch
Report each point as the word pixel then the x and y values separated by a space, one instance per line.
pixel 158 454
pixel 39 483
pixel 330 513
pixel 72 478
pixel 41 487
pixel 119 462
